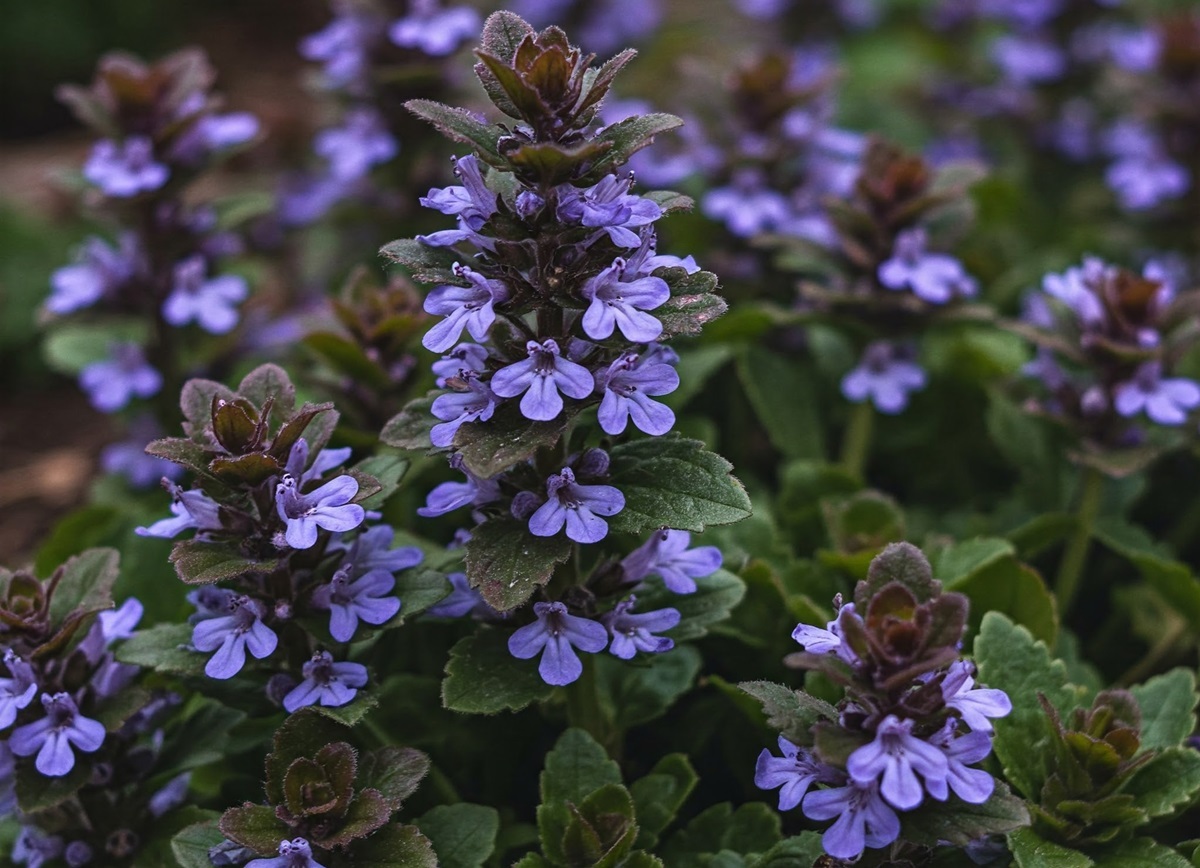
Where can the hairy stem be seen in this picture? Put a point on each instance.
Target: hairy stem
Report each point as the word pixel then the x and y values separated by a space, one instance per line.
pixel 1070 570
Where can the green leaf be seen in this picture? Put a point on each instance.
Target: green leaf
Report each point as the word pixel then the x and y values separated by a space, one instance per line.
pixel 347 358
pixel 254 826
pixel 270 381
pixel 114 712
pixel 190 846
pixel 70 347
pixel 395 846
pixel 960 560
pixel 660 794
pixel 163 648
pixel 196 735
pixel 388 470
pixel 301 736
pixel 673 482
pixel 799 851
pixel 670 201
pixel 350 713
pixel 1141 853
pixel 959 823
pixel 791 712
pixel 635 693
pixel 418 589
pixel 752 828
pixel 628 137
pixel 1010 587
pixel 463 835
pixel 508 438
pixel 601 829
pixel 900 562
pixel 503 32
pixel 36 792
pixel 86 584
pixel 1168 704
pixel 1011 660
pixel 409 429
pixel 186 453
pixel 1032 851
pixel 196 400
pixel 692 304
pixel 1172 579
pixel 709 606
pixel 507 563
pixel 369 811
pixel 784 397
pixel 461 126
pixel 426 264
pixel 483 678
pixel 1167 783
pixel 394 771
pixel 576 767
pixel 202 563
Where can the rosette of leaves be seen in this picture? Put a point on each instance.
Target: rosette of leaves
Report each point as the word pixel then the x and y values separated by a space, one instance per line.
pixel 318 787
pixel 1103 771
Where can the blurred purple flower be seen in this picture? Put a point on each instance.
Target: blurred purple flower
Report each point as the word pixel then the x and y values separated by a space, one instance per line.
pixel 344 47
pixel 885 377
pixel 747 207
pixel 1027 59
pixel 464 357
pixel 555 635
pixel 933 277
pixel 111 384
pixel 372 550
pixel 433 30
pixel 99 271
pixel 666 554
pixel 210 303
pixel 1166 400
pixel 577 506
pixel 326 683
pixel 16 691
pixel 53 736
pixel 214 133
pixel 126 169
pixel 33 848
pixel 129 459
pixel 361 142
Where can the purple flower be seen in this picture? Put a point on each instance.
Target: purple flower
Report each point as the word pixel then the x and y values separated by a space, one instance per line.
pixel 348 601
pixel 793 773
pixel 1143 174
pixel 621 304
pixel 231 635
pixel 476 404
pixel 1165 400
pixel 99 270
pixel 129 459
pixel 449 496
pixel 974 704
pixel 816 640
pixel 973 786
pixel 933 277
pixel 111 384
pixel 210 303
pixel 372 550
pixel 8 780
pixel 463 600
pixel 292 854
pixel 897 756
pixel 324 461
pixel 540 377
pixel 304 199
pixel 1073 288
pixel 577 506
pixel 609 206
pixel 747 206
pixel 633 633
pixel 125 169
pixel 33 848
pixel 432 30
pixel 361 142
pixel 326 683
pixel 627 387
pixel 344 45
pixel 214 133
pixel 884 377
pixel 170 796
pixel 191 508
pixel 17 691
pixel 51 737
pixel 473 202
pixel 464 357
pixel 1028 60
pixel 556 635
pixel 666 553
pixel 612 24
pixel 864 819
pixel 327 507
pixel 469 307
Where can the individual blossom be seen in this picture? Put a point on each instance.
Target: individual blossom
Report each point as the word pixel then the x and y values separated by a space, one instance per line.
pixel 455 409
pixel 327 507
pixel 617 303
pixel 34 848
pixel 1166 400
pixel 1142 174
pixel 434 30
pixel 232 635
pixel 361 599
pixel 361 142
pixel 54 736
pixel 114 382
pixel 973 786
pixel 540 377
pixel 793 773
pixel 555 635
pixel 894 758
pixel 666 554
pixel 214 133
pixel 344 46
pixel 98 272
pixel 324 461
pixel 1026 60
pixel 747 207
pixel 170 796
pixel 326 683
pixel 16 691
pixel 210 303
pixel 863 819
pixel 827 640
pixel 577 506
pixel 192 509
pixel 295 853
pixel 372 550
pixel 465 307
pixel 463 600
pixel 884 377
pixel 632 633
pixel 125 169
pixel 464 357
pixel 128 457
pixel 1073 289
pixel 932 277
pixel 628 386
pixel 472 202
pixel 449 496
pixel 608 205
pixel 974 704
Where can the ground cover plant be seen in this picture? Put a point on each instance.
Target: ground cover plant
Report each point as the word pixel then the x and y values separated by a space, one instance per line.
pixel 624 434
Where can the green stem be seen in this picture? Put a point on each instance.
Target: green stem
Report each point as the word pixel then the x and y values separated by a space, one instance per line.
pixel 1070 570
pixel 584 711
pixel 1149 664
pixel 856 440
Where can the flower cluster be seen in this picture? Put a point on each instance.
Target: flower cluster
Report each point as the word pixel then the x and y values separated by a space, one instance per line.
pixel 164 269
pixel 291 532
pixel 1107 341
pixel 913 721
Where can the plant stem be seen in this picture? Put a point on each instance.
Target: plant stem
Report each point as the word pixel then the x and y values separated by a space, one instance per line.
pixel 584 710
pixel 856 439
pixel 1070 570
pixel 1149 664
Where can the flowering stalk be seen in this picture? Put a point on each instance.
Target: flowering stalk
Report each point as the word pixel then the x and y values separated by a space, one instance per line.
pixel 552 301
